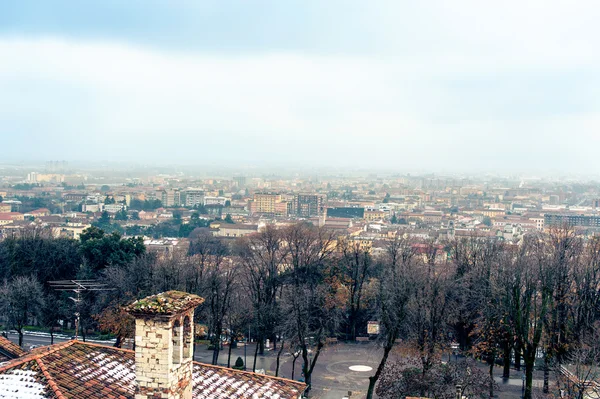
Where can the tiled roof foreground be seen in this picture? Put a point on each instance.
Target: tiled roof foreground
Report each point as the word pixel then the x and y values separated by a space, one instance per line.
pixel 9 350
pixel 78 370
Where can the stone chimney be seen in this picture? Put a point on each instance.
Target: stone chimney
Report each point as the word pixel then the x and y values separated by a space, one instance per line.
pixel 164 348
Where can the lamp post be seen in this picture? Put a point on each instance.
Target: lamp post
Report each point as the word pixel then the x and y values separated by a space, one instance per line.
pixel 523 386
pixel 245 346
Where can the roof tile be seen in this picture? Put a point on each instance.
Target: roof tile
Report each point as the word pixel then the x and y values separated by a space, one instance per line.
pixel 76 370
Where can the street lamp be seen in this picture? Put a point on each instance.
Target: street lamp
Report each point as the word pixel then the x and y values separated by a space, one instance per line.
pixel 523 387
pixel 245 347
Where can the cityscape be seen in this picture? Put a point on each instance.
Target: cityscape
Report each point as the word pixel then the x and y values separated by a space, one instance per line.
pixel 144 232
pixel 284 199
pixel 367 207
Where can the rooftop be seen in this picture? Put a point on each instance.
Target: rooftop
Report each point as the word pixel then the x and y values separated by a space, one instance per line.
pixel 77 370
pixel 9 350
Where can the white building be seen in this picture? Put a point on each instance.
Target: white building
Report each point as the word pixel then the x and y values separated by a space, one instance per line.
pixel 215 201
pixel 194 197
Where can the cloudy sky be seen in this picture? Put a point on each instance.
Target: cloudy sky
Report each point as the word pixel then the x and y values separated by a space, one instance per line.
pixel 443 85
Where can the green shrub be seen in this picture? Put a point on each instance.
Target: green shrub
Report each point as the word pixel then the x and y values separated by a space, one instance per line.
pixel 239 363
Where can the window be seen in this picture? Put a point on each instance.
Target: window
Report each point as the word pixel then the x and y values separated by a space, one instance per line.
pixel 176 342
pixel 188 346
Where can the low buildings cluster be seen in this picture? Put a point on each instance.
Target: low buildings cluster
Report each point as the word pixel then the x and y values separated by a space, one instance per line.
pixel 368 206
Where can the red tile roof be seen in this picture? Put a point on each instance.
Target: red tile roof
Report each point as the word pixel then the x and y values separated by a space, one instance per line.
pixel 78 370
pixel 9 350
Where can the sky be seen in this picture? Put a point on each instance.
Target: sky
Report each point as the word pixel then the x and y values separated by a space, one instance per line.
pixel 461 85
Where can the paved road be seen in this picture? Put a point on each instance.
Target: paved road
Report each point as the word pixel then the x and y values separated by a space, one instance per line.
pixel 29 340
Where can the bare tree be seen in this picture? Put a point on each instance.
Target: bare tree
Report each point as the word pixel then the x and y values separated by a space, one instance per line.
pixel 584 303
pixel 204 248
pixel 482 283
pixel 531 293
pixel 262 256
pixel 356 266
pixel 404 378
pixel 312 312
pixel 21 300
pixel 578 378
pixel 394 294
pixel 219 285
pixel 564 249
pixel 428 311
pixel 238 318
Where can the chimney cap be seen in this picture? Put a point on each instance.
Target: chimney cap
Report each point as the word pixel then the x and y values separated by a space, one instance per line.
pixel 167 303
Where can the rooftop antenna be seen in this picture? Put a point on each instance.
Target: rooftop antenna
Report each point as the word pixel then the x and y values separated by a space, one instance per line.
pixel 78 286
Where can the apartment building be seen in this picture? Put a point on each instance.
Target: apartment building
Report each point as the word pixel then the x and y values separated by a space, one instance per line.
pixel 194 197
pixel 215 201
pixel 571 220
pixel 265 203
pixel 170 197
pixel 307 205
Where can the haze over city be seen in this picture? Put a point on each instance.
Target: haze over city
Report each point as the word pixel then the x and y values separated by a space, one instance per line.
pixel 461 86
pixel 292 199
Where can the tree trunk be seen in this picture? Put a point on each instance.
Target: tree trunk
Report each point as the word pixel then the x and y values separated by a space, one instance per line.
pixel 51 336
pixel 308 373
pixel 255 354
pixel 506 371
pixel 306 368
pixel 278 357
pixel 373 379
pixel 261 345
pixel 546 372
pixel 518 359
pixel 117 342
pixel 20 331
pixel 491 360
pixel 216 348
pixel 529 362
pixel 294 365
pixel 231 341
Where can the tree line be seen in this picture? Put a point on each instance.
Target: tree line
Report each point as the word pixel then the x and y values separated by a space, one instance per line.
pixel 298 286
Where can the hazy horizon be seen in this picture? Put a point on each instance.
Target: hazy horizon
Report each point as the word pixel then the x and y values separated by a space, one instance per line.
pixel 396 86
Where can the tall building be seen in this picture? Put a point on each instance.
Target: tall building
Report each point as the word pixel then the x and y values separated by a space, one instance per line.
pixel 283 208
pixel 265 203
pixel 194 197
pixel 169 197
pixel 240 181
pixel 559 220
pixel 306 205
pixel 32 177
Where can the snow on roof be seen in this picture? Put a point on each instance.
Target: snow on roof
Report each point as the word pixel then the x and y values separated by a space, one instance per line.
pixel 80 370
pixel 217 382
pixel 23 384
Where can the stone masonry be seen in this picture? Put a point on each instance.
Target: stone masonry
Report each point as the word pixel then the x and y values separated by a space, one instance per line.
pixel 164 345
